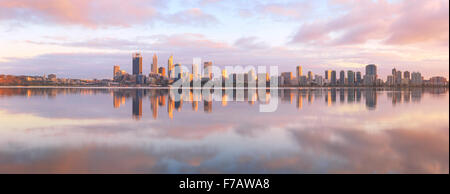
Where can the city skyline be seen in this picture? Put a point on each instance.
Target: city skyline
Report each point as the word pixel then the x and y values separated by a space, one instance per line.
pixel 319 35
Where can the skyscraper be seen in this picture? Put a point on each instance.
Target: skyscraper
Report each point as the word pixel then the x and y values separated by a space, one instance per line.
pixel 299 71
pixel 170 67
pixel 195 70
pixel 407 75
pixel 207 69
pixel 358 77
pixel 162 71
pixel 178 71
pixel 416 79
pixel 155 64
pixel 350 78
pixel 342 77
pixel 310 76
pixel 333 78
pixel 371 69
pixel 116 70
pixel 137 64
pixel 371 75
pixel 328 74
pixel 224 74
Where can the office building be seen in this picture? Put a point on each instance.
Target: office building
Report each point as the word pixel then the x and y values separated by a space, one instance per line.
pixel 406 75
pixel 333 78
pixel 155 64
pixel 162 71
pixel 195 70
pixel 342 77
pixel 358 77
pixel 137 64
pixel 178 71
pixel 328 74
pixel 370 78
pixel 299 71
pixel 310 76
pixel 350 78
pixel 170 72
pixel 116 71
pixel 416 79
pixel 207 69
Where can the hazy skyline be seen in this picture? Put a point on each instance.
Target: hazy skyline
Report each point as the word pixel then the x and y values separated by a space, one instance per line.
pixel 85 38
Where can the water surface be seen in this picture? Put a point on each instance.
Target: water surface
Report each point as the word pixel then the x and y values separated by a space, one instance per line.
pixel 351 130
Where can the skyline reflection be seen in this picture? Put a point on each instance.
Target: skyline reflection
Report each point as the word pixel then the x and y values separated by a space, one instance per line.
pixel 346 95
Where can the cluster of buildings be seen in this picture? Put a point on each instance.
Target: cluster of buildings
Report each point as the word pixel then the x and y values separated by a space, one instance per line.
pixel 160 76
pixel 49 80
pixel 352 78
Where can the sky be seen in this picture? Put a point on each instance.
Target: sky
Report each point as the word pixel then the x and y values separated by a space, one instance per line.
pixel 85 38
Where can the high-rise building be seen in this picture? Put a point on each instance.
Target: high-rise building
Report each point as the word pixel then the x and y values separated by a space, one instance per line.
pixel 155 64
pixel 310 76
pixel 350 78
pixel 116 71
pixel 416 79
pixel 371 69
pixel 333 78
pixel 328 74
pixel 342 77
pixel 178 71
pixel 406 75
pixel 371 75
pixel 207 69
pixel 224 74
pixel 195 70
pixel 137 64
pixel 162 71
pixel 286 78
pixel 358 77
pixel 170 71
pixel 299 71
pixel 398 78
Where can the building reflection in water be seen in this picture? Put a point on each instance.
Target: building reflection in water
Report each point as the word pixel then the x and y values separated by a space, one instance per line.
pixel 137 104
pixel 158 98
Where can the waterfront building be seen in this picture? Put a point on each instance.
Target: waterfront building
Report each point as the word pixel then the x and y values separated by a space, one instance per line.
pixel 370 78
pixel 178 71
pixel 285 78
pixel 438 81
pixel 327 75
pixel 350 78
pixel 195 70
pixel 406 75
pixel 398 78
pixel 162 71
pixel 170 72
pixel 342 77
pixel 299 71
pixel 207 69
pixel 155 64
pixel 116 71
pixel 137 64
pixel 333 78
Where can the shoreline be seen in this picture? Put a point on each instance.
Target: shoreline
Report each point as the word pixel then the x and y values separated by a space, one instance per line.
pixel 168 87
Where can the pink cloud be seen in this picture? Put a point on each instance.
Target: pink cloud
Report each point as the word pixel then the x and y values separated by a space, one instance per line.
pixel 421 21
pixel 98 13
pixel 82 12
pixel 192 16
pixel 402 22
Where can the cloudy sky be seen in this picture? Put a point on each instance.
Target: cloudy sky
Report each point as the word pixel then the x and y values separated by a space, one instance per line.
pixel 85 38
